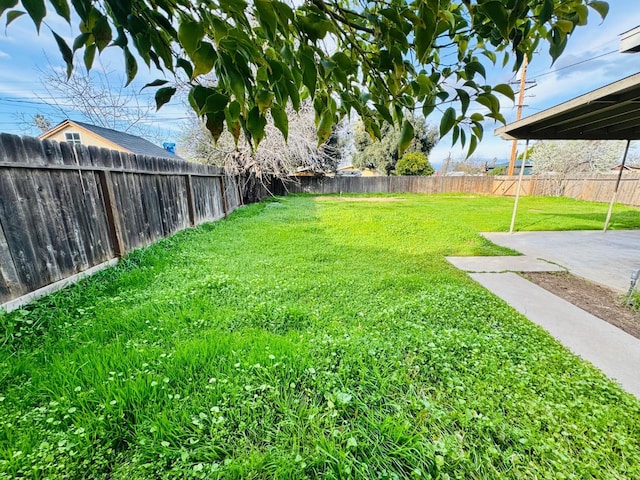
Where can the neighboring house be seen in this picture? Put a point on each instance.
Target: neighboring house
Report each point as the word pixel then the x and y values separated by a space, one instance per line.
pixel 351 171
pixel 81 133
pixel 528 166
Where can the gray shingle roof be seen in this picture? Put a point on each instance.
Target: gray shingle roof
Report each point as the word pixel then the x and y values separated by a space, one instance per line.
pixel 137 145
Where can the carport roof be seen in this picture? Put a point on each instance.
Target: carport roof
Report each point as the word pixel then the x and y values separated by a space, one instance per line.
pixel 608 113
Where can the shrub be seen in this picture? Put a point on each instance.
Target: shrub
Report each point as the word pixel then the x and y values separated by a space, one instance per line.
pixel 501 170
pixel 414 163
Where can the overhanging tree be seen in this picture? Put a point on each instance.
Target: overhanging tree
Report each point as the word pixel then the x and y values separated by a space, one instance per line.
pixel 378 59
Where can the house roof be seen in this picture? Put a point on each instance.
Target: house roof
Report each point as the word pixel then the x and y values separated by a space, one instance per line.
pixel 608 113
pixel 131 143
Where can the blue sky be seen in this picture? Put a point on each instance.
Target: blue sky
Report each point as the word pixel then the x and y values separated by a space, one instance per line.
pixel 590 61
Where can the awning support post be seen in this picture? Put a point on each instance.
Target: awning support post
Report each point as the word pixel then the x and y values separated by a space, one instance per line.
pixel 615 191
pixel 515 204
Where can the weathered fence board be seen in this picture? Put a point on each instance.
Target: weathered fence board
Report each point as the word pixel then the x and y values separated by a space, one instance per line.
pixel 597 188
pixel 65 209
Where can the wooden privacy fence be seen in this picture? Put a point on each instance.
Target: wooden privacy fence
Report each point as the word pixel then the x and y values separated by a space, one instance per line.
pixel 390 184
pixel 597 188
pixel 66 209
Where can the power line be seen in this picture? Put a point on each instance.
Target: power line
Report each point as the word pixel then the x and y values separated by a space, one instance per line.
pixel 575 64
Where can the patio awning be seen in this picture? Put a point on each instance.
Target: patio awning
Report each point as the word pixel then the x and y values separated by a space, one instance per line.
pixel 608 113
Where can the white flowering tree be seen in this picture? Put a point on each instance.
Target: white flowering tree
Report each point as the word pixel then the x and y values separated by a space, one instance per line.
pixel 274 157
pixel 562 158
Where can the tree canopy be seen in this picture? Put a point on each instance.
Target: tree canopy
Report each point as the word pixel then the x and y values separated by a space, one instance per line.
pixel 383 154
pixel 378 59
pixel 576 156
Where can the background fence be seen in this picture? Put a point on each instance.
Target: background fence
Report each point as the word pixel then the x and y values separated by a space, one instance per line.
pixel 598 188
pixel 65 209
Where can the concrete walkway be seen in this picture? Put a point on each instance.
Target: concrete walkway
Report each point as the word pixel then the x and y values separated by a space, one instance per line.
pixel 614 352
pixel 607 258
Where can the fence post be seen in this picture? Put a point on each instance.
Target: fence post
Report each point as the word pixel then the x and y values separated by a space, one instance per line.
pixel 190 203
pixel 113 217
pixel 223 194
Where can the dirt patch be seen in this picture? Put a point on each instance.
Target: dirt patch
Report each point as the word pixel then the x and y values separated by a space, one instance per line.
pixel 359 199
pixel 603 302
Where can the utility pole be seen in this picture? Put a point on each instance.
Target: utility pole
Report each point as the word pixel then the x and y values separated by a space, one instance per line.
pixel 514 146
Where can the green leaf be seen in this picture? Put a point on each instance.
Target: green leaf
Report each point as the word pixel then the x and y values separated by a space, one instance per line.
pixel 557 43
pixel 280 120
pixel 198 98
pixel 475 67
pixel 464 100
pixel 406 136
pixel 203 59
pixel 344 62
pixel 36 10
pixel 425 33
pixel 428 108
pixel 384 112
pixel 186 66
pixel 121 40
pixel 13 14
pixel 80 41
pixel 264 99
pixel 190 34
pixel 256 124
pixel 601 7
pixel 448 121
pixel 490 101
pixel 324 126
pixel 89 56
pixel 309 73
pixel 216 102
pixel 67 54
pixel 155 83
pixel 546 11
pixel 102 33
pixel 130 65
pixel 62 8
pixel 266 16
pixel 455 135
pixel 234 110
pixel 163 95
pixel 498 15
pixel 215 124
pixel 7 4
pixel 505 90
pixel 236 84
pixel 473 143
pixel 565 26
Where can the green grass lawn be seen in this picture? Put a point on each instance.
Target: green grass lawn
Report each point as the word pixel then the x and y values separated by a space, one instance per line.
pixel 304 338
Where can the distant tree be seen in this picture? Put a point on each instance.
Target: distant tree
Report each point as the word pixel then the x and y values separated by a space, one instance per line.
pixel 563 157
pixel 41 122
pixel 501 170
pixel 414 163
pixel 95 99
pixel 383 154
pixel 529 153
pixel 469 166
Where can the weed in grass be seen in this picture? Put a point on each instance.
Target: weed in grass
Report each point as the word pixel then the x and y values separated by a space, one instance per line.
pixel 303 339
